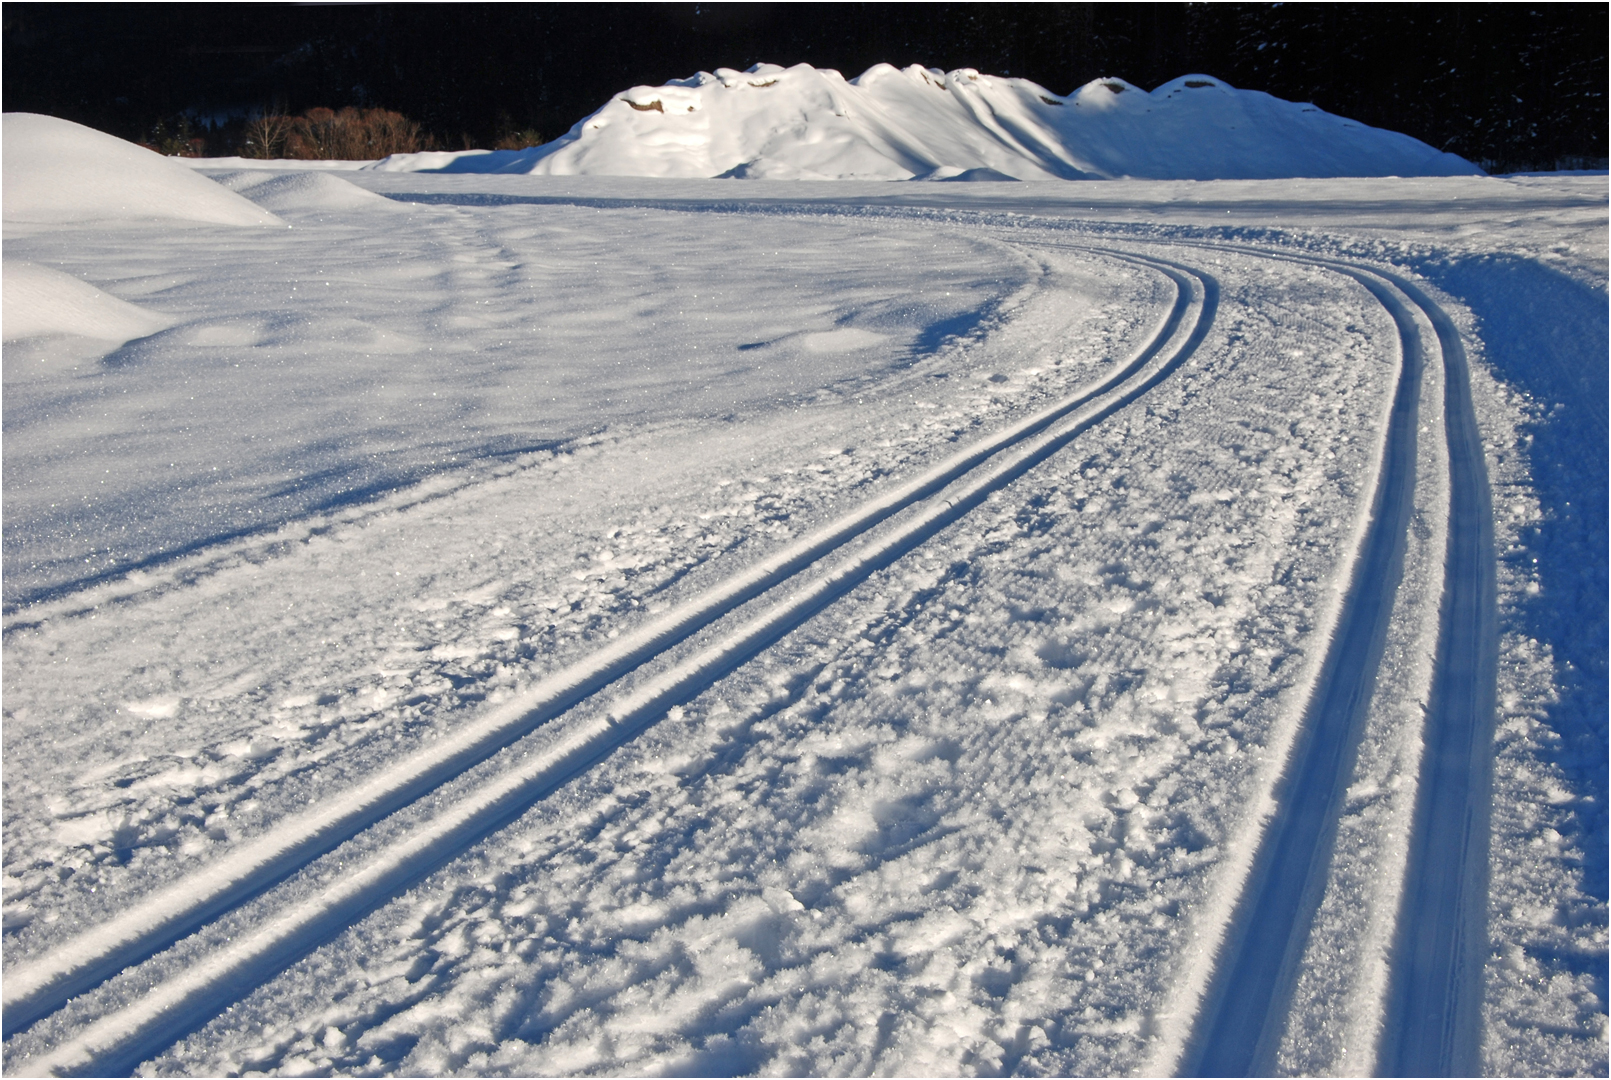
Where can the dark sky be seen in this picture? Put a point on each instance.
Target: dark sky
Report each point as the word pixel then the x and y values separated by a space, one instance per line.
pixel 1507 85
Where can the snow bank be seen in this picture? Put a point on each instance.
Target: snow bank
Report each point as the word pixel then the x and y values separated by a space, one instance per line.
pixel 301 191
pixel 805 123
pixel 39 302
pixel 57 171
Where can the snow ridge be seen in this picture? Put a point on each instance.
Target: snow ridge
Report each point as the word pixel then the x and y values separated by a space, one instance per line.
pixel 916 123
pixel 40 301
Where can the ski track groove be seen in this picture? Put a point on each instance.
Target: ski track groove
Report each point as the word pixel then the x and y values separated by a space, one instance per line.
pixel 1432 1024
pixel 941 496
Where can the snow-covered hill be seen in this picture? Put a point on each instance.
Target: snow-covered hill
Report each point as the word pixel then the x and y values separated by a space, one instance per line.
pixel 805 123
pixel 57 172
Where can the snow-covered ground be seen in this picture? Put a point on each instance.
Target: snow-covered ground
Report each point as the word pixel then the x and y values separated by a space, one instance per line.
pixel 520 624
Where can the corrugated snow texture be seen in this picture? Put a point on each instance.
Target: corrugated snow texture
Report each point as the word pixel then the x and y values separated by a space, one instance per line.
pixel 806 123
pixel 1335 1019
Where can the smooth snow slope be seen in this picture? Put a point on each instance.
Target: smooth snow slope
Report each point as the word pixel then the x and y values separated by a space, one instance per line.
pixel 805 123
pixel 58 171
pixel 387 343
pixel 302 192
pixel 40 301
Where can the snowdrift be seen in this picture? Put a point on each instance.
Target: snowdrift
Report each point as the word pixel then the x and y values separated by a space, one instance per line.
pixel 804 123
pixel 302 191
pixel 57 172
pixel 40 302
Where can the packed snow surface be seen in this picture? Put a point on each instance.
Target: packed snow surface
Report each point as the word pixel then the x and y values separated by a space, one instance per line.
pixel 808 630
pixel 806 123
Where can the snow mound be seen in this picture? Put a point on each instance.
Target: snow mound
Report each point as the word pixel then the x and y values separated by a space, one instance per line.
pixel 805 123
pixel 38 302
pixel 966 176
pixel 301 191
pixel 57 171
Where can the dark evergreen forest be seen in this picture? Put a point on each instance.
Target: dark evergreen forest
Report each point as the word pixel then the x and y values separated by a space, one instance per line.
pixel 1509 86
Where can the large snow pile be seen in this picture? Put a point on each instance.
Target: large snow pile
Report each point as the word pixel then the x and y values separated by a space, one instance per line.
pixel 804 123
pixel 57 171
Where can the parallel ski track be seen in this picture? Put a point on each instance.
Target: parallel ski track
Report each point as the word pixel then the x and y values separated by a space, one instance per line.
pixel 1432 1022
pixel 120 1039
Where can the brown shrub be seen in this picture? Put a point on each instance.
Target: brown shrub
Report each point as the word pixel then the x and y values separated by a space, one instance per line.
pixel 347 134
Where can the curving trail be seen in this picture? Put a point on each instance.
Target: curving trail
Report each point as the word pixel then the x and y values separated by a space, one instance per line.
pixel 1245 1009
pixel 119 1040
pixel 1432 1024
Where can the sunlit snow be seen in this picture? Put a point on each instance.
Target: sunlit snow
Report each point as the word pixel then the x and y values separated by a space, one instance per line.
pixel 806 123
pixel 306 494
